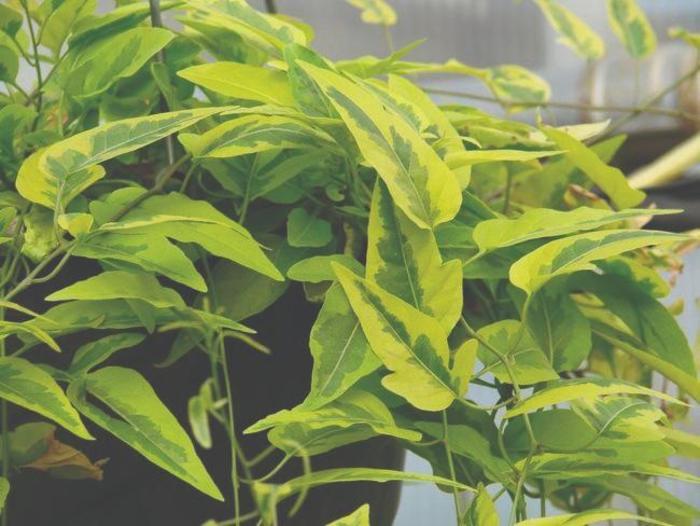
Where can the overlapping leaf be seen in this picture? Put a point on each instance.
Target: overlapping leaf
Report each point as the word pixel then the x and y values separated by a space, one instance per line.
pixel 143 422
pixel 419 181
pixel 405 261
pixel 410 344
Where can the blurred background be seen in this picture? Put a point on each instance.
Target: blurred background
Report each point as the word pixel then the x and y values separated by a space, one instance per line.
pixel 492 32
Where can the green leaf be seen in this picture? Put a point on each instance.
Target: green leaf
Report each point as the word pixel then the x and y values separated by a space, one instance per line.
pixel 686 444
pixel 509 338
pixel 472 157
pixel 87 71
pixel 39 235
pixel 588 517
pixel 412 345
pixel 611 180
pixel 575 253
pixel 559 328
pixel 318 269
pixel 9 64
pixel 583 388
pixel 5 491
pixel 482 511
pixel 61 21
pixel 341 353
pixel 10 20
pixel 94 353
pixel 356 415
pixel 242 292
pixel 148 251
pixel 688 383
pixel 256 133
pixel 197 414
pixel 359 517
pixel 29 386
pixel 573 32
pixel 645 494
pixel 539 223
pixel 304 230
pixel 242 81
pixel 178 217
pixel 692 38
pixel 405 261
pixel 632 28
pixel 340 475
pixel 419 181
pixel 267 32
pixel 54 176
pixel 143 422
pixel 375 11
pixel 645 317
pixel 119 284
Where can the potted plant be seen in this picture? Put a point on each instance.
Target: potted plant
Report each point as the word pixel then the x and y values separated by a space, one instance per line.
pixel 198 251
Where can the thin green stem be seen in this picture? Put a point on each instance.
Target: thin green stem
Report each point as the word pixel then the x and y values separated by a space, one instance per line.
pixel 650 101
pixel 450 463
pixel 5 434
pixel 37 64
pixel 566 105
pixel 232 434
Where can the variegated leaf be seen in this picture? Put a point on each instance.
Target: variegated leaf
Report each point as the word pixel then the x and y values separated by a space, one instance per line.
pixel 412 345
pixel 573 32
pixel 631 26
pixel 143 422
pixel 29 386
pixel 54 176
pixel 419 181
pixel 256 133
pixel 405 261
pixel 577 252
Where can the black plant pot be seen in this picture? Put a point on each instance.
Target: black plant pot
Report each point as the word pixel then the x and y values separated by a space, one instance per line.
pixel 135 492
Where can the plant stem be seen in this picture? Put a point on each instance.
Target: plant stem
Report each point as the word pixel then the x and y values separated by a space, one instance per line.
pixel 5 437
pixel 37 65
pixel 157 21
pixel 566 105
pixel 232 433
pixel 649 102
pixel 450 463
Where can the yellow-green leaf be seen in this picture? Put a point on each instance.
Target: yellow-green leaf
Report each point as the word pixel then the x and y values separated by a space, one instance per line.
pixel 482 511
pixel 514 343
pixel 61 21
pixel 116 284
pixel 341 353
pixel 573 31
pixel 359 517
pixel 405 261
pixel 692 38
pixel 87 71
pixel 256 133
pixel 544 222
pixel 588 517
pixel 242 81
pixel 631 26
pixel 412 345
pixel 29 386
pixel 471 157
pixel 143 422
pixel 611 180
pixel 54 176
pixel 577 252
pixel 583 388
pixel 375 11
pixel 420 183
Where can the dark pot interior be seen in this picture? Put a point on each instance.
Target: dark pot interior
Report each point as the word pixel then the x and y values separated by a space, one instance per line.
pixel 135 492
